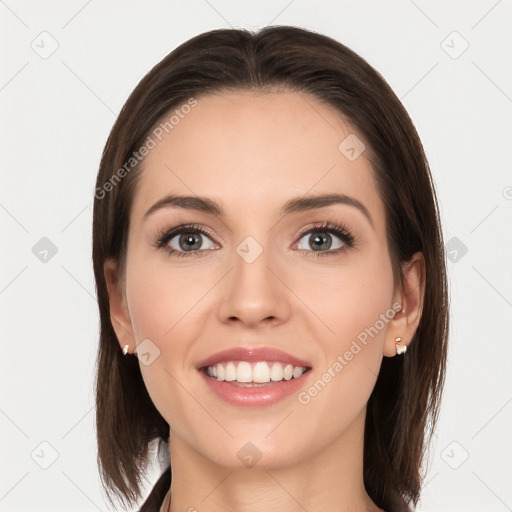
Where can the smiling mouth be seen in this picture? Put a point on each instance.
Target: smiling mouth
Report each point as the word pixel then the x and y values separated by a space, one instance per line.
pixel 254 374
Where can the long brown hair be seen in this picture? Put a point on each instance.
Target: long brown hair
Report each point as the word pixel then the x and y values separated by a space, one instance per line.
pixel 403 407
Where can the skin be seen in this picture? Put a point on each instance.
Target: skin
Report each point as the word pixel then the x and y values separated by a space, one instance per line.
pixel 251 152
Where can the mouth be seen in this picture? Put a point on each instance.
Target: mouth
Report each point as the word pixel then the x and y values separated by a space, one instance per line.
pixel 253 377
pixel 254 374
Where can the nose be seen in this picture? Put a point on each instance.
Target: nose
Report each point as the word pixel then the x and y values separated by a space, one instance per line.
pixel 254 293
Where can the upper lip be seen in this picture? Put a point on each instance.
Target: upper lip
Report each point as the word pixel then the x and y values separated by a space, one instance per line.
pixel 250 355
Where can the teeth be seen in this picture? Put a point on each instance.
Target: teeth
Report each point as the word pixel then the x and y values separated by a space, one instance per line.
pixel 297 372
pixel 230 372
pixel 244 372
pixel 259 372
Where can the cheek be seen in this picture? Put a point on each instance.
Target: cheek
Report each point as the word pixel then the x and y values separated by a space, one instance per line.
pixel 163 308
pixel 161 299
pixel 349 298
pixel 356 306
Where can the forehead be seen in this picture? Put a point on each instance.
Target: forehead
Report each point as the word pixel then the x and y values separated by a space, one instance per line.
pixel 246 149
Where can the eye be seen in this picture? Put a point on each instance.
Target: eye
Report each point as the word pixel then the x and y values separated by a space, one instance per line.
pixel 186 241
pixel 326 238
pixel 193 240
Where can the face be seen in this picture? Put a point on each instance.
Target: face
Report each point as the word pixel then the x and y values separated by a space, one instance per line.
pixel 258 270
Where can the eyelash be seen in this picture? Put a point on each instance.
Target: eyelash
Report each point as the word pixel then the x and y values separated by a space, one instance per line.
pixel 341 232
pixel 164 236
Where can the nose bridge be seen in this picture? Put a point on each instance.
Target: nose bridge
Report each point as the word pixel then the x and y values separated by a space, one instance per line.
pixel 252 291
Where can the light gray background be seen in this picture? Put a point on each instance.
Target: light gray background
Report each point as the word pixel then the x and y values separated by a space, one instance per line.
pixel 56 113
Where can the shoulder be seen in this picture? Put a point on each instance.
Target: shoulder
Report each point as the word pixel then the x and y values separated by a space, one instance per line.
pixel 157 495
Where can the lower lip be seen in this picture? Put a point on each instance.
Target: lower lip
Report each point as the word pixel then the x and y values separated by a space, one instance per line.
pixel 257 396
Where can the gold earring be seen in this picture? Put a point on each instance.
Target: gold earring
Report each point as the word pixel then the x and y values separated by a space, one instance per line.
pixel 125 349
pixel 399 349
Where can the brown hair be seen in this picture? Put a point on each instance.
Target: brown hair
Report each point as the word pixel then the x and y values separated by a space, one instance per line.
pixel 406 398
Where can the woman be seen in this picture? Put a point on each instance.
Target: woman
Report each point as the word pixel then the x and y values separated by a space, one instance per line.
pixel 266 247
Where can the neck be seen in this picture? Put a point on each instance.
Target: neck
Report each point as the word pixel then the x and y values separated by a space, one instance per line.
pixel 329 480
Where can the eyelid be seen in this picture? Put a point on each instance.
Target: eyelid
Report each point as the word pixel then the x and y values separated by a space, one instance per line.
pixel 164 235
pixel 338 229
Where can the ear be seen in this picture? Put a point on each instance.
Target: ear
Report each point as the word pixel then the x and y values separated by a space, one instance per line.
pixel 119 315
pixel 411 295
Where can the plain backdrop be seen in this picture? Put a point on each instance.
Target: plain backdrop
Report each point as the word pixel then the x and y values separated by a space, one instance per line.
pixel 66 70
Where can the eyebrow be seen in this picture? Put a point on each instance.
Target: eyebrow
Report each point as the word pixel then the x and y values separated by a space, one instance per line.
pixel 299 204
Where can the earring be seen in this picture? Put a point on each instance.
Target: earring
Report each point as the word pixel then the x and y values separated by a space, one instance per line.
pixel 125 349
pixel 399 348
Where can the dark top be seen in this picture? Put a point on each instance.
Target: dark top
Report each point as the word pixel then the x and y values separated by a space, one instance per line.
pixel 157 495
